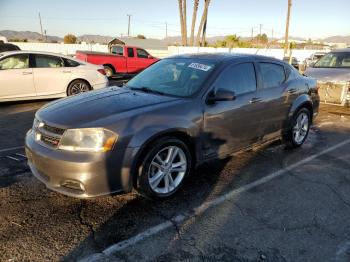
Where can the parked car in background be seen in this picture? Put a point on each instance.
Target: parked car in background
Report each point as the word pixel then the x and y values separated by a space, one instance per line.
pixel 36 75
pixel 313 59
pixel 122 60
pixel 293 61
pixel 4 47
pixel 333 74
pixel 170 118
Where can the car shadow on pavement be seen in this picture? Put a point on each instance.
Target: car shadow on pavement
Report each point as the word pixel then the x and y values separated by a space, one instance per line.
pixel 137 214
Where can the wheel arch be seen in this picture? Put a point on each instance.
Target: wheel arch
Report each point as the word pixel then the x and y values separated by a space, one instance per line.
pixel 300 102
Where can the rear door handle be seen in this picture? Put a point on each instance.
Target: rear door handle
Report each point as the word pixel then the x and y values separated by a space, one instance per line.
pixel 27 73
pixel 255 100
pixel 66 72
pixel 292 91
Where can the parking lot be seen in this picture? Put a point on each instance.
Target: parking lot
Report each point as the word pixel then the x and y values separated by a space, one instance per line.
pixel 270 203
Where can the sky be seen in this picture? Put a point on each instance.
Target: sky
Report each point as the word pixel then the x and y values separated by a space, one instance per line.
pixel 309 18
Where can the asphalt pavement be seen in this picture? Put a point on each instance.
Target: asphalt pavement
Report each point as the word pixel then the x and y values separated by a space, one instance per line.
pixel 300 215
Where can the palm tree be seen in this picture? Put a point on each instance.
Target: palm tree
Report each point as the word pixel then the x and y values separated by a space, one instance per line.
pixel 203 20
pixel 183 21
pixel 194 17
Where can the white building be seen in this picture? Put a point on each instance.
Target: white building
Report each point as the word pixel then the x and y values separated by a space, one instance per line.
pixel 3 39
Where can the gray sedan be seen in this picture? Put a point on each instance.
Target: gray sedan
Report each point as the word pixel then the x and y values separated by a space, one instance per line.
pixel 180 112
pixel 333 74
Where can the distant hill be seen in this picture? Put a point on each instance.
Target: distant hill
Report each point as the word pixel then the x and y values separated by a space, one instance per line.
pixel 30 36
pixel 338 39
pixel 89 38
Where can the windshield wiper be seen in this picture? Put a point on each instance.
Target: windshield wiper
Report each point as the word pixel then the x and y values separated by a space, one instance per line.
pixel 148 90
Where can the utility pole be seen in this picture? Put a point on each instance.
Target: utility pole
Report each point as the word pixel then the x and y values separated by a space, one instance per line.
pixel 286 35
pixel 166 30
pixel 45 35
pixel 129 16
pixel 272 35
pixel 41 27
pixel 260 27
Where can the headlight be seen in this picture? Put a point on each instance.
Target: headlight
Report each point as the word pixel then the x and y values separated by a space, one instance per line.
pixel 88 140
pixel 37 124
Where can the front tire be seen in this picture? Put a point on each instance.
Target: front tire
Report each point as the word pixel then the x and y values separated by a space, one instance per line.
pixel 299 128
pixel 164 168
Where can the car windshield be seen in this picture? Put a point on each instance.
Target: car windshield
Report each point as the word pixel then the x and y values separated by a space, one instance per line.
pixel 174 76
pixel 334 60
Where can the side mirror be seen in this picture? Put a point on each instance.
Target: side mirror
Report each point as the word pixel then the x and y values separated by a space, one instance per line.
pixel 221 95
pixel 150 57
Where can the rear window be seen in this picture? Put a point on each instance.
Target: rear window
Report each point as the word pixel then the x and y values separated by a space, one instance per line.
pixel 131 52
pixel 273 75
pixel 70 63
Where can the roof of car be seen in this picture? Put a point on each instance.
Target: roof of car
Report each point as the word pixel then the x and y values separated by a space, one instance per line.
pixel 342 50
pixel 33 52
pixel 219 57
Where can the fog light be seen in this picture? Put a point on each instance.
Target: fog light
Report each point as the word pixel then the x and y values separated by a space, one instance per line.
pixel 75 185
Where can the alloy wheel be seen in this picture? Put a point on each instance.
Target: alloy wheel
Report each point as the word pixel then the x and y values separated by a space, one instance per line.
pixel 301 128
pixel 79 87
pixel 167 169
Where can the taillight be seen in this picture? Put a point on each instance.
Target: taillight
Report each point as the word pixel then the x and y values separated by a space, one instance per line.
pixel 102 71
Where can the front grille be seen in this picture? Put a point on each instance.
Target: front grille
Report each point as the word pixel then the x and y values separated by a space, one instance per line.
pixel 49 140
pixel 47 134
pixel 54 130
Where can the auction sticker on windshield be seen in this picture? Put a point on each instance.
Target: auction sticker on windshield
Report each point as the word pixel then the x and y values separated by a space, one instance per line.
pixel 200 66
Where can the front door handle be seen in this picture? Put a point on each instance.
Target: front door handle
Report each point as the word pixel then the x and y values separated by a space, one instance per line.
pixel 292 91
pixel 255 100
pixel 27 73
pixel 66 72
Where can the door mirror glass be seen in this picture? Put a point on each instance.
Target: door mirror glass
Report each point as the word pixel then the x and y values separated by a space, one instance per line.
pixel 221 95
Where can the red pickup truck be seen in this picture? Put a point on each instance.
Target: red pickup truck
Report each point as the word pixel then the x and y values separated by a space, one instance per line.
pixel 122 60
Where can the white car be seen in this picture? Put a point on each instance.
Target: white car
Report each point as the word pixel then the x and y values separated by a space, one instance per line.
pixel 28 75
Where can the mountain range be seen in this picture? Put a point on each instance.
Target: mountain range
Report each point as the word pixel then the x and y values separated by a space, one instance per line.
pixel 89 38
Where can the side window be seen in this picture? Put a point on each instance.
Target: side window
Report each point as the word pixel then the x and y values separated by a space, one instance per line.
pixel 141 53
pixel 238 78
pixel 15 62
pixel 272 74
pixel 46 61
pixel 131 52
pixel 70 63
pixel 118 50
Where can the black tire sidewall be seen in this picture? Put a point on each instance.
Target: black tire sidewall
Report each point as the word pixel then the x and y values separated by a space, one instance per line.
pixel 143 186
pixel 292 141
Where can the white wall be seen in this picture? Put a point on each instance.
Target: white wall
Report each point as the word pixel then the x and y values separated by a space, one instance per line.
pixel 277 53
pixel 70 49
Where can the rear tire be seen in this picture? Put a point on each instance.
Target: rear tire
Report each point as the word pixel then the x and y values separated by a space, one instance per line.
pixel 298 129
pixel 164 168
pixel 78 86
pixel 109 71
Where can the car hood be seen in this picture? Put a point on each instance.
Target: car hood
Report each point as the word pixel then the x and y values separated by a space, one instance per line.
pixel 78 110
pixel 329 74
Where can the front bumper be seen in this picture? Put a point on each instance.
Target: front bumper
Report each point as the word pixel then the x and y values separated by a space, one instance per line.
pixel 80 174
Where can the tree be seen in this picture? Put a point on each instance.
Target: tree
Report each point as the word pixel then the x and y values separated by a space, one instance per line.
pixel 194 17
pixel 70 39
pixel 140 37
pixel 183 17
pixel 262 38
pixel 203 21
